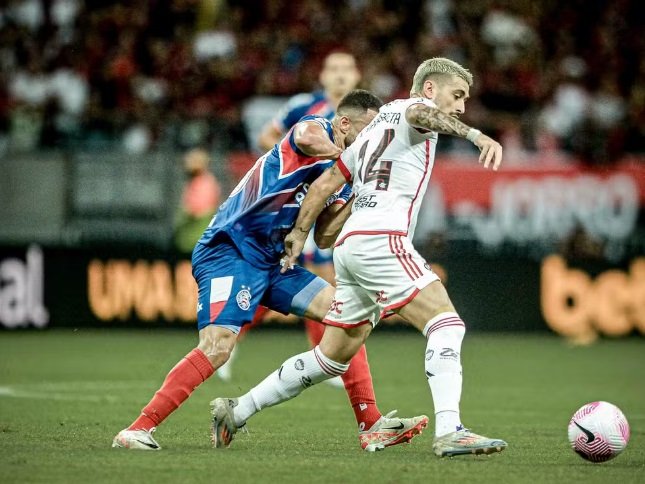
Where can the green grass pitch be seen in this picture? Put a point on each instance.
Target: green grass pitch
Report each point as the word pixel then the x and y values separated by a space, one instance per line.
pixel 64 394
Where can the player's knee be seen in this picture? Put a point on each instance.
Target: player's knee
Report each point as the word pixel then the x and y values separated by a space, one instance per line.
pixel 216 352
pixel 339 344
pixel 336 353
pixel 338 358
pixel 217 345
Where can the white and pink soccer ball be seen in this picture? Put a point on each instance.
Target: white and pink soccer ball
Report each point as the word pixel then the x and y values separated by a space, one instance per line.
pixel 598 431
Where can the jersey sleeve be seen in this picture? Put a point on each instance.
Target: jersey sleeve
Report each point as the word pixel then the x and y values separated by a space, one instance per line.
pixel 342 195
pixel 323 122
pixel 347 163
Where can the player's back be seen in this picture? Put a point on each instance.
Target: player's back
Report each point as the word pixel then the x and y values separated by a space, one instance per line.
pixel 389 165
pixel 263 207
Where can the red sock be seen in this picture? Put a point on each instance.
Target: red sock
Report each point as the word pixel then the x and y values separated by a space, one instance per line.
pixel 357 380
pixel 188 374
pixel 359 388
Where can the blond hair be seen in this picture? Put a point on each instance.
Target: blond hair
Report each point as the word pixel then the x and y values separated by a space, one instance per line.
pixel 438 66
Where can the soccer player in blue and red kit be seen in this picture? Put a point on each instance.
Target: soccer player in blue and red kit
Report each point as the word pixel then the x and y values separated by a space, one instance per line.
pixel 339 75
pixel 236 264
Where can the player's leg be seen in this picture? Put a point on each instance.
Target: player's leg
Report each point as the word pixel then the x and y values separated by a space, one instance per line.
pixel 337 347
pixel 225 303
pixel 321 263
pixel 225 372
pixel 299 292
pixel 292 377
pixel 190 372
pixel 431 311
pixel 353 306
pixel 357 379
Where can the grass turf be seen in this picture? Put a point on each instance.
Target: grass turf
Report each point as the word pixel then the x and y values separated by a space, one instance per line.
pixel 64 394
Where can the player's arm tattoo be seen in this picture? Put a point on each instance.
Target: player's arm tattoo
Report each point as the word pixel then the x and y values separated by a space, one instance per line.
pixel 422 116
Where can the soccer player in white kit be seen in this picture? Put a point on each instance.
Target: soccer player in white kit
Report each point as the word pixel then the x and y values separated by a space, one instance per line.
pixel 377 268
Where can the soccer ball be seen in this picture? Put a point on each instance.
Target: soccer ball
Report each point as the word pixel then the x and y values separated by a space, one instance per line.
pixel 598 431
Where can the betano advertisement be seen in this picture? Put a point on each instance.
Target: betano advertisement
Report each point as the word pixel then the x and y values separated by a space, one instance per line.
pixel 497 290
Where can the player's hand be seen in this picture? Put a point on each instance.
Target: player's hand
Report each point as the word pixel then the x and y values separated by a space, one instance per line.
pixel 294 242
pixel 490 151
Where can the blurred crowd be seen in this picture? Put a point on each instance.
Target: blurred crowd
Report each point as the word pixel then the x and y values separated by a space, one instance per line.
pixel 550 76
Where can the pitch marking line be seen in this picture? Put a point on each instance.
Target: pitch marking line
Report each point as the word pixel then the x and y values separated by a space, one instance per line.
pixel 85 391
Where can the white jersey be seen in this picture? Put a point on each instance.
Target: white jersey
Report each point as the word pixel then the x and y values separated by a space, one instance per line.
pixel 389 166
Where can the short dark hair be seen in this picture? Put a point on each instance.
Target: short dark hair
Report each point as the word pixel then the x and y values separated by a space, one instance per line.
pixel 358 100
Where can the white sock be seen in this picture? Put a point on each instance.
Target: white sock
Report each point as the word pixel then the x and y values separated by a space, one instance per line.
pixel 225 372
pixel 295 374
pixel 445 333
pixel 446 422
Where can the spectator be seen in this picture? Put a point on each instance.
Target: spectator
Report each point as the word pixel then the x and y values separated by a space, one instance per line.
pixel 199 200
pixel 195 64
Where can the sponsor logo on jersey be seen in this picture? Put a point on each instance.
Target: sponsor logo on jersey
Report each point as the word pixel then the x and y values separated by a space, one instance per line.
pixel 366 201
pixel 302 193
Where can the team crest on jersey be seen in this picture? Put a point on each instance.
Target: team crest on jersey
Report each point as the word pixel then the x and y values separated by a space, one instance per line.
pixel 381 297
pixel 336 307
pixel 243 298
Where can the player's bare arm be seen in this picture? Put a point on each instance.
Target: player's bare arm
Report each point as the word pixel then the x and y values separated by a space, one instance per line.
pixel 313 140
pixel 426 117
pixel 269 136
pixel 330 222
pixel 318 193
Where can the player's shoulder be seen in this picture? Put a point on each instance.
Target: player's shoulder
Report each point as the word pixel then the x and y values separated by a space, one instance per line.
pixel 315 118
pixel 402 104
pixel 420 100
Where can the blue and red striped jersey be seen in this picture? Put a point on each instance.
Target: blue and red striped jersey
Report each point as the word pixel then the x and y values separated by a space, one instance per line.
pixel 263 208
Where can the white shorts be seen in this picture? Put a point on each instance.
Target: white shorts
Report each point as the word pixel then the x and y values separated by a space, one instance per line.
pixel 374 275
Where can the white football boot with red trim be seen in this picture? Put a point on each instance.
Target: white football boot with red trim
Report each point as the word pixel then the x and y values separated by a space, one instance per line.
pixel 390 430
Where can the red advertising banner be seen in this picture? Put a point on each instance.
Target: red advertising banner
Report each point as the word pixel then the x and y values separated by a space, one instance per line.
pixel 464 179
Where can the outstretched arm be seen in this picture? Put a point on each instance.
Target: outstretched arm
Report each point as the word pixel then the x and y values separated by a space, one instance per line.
pixel 423 116
pixel 318 193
